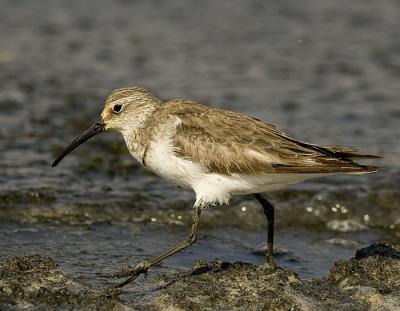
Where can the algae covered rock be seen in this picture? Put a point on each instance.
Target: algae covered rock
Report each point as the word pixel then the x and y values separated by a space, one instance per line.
pixel 239 286
pixel 371 278
pixel 369 281
pixel 37 283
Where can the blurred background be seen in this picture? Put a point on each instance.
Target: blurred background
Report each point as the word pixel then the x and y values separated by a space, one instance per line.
pixel 326 72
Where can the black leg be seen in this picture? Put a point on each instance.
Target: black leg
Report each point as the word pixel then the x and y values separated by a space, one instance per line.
pixel 133 273
pixel 269 213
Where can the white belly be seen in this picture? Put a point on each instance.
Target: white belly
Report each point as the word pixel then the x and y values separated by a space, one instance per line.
pixel 161 160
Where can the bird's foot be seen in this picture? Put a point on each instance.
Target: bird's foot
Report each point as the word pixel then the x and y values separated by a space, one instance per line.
pixel 270 261
pixel 269 266
pixel 130 272
pixel 140 268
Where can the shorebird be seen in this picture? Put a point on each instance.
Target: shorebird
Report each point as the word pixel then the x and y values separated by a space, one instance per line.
pixel 214 152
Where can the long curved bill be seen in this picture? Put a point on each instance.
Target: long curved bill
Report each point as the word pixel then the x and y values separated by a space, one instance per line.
pixel 95 129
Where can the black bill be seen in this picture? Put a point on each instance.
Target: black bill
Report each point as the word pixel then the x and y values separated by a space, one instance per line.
pixel 95 129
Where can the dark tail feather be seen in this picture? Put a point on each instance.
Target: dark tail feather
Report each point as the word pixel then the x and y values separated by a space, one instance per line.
pixel 348 153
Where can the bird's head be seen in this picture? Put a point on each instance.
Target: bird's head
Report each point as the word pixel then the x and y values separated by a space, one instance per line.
pixel 128 107
pixel 125 110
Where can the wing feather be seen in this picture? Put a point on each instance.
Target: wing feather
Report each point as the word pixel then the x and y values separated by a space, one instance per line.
pixel 229 143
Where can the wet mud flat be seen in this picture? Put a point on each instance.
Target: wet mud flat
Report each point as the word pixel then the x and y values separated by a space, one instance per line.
pixel 326 72
pixel 369 280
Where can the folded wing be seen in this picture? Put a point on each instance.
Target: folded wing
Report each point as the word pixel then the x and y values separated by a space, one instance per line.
pixel 231 143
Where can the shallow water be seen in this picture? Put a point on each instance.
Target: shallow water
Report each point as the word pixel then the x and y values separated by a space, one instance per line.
pixel 326 72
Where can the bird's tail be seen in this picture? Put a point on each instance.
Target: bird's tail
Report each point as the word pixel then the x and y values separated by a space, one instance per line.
pixel 349 153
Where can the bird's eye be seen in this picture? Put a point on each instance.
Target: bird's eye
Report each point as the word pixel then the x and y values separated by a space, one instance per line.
pixel 117 108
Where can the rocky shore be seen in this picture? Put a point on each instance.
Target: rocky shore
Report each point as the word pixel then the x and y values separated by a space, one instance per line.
pixel 369 280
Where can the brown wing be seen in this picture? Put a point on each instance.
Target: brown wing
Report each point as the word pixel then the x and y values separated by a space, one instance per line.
pixel 227 143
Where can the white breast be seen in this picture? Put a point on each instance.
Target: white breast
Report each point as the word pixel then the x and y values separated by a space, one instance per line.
pixel 160 159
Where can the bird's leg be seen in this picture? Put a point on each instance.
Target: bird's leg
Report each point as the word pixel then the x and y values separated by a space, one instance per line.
pixel 269 213
pixel 142 267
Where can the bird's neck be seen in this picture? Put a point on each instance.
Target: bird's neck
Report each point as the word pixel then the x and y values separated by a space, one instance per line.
pixel 137 135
